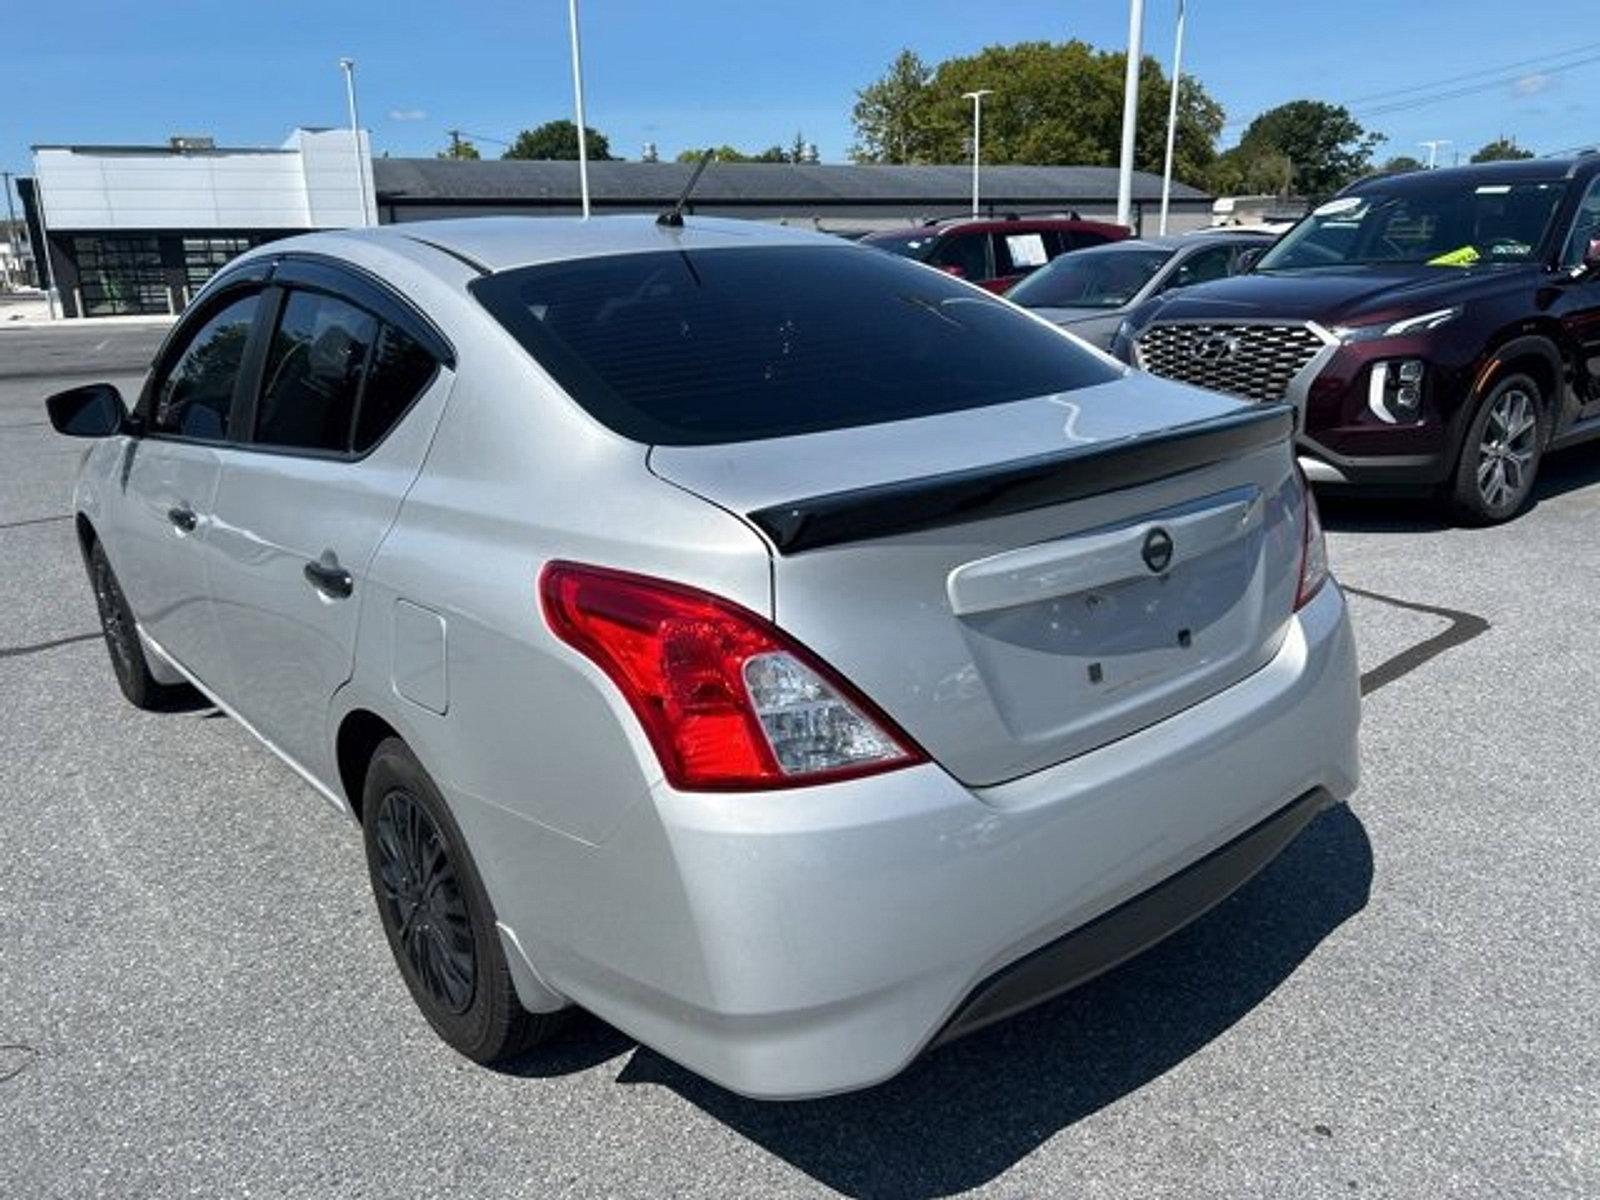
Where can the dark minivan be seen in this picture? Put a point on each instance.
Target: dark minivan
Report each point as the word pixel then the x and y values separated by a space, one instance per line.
pixel 1437 331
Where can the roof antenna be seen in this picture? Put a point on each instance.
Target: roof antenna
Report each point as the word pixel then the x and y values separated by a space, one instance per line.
pixel 673 217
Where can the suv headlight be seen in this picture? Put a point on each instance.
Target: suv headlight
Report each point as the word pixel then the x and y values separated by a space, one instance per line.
pixel 1417 324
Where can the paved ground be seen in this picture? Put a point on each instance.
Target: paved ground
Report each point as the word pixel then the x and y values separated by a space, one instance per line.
pixel 195 998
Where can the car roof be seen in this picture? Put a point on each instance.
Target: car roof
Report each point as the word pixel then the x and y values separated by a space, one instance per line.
pixel 1176 241
pixel 1530 170
pixel 499 243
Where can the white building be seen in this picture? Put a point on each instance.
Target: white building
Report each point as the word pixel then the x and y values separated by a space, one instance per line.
pixel 136 229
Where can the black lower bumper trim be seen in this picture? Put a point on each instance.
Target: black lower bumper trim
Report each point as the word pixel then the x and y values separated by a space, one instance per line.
pixel 1134 925
pixel 1391 470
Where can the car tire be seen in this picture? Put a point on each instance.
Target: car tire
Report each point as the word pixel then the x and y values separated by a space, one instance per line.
pixel 128 660
pixel 436 914
pixel 1501 452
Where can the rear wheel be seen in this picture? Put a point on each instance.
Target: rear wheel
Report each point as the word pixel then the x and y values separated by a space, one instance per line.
pixel 1501 453
pixel 128 662
pixel 436 914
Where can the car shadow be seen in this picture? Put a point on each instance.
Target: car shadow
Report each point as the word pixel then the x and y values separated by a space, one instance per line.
pixel 1354 512
pixel 966 1113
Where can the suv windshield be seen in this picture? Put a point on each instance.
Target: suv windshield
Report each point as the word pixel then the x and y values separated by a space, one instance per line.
pixel 1422 221
pixel 1106 278
pixel 734 344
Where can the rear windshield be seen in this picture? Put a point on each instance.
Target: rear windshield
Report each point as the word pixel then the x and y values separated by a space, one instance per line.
pixel 727 345
pixel 1106 278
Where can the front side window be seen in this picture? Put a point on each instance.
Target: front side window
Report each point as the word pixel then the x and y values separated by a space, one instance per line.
pixel 1214 262
pixel 1418 221
pixel 196 397
pixel 314 373
pixel 1585 232
pixel 735 344
pixel 962 255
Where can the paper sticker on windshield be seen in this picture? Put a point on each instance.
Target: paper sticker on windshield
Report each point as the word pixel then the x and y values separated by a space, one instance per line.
pixel 1342 204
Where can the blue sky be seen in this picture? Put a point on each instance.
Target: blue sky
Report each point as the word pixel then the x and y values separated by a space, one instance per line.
pixel 687 73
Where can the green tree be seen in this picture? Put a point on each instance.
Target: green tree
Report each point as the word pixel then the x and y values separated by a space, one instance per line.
pixel 1400 163
pixel 1323 144
pixel 558 139
pixel 891 114
pixel 1053 102
pixel 459 148
pixel 1502 149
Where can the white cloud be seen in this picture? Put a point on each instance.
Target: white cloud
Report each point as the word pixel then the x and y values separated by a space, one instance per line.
pixel 407 114
pixel 1528 85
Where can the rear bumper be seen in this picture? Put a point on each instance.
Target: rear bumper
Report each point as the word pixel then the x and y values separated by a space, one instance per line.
pixel 798 944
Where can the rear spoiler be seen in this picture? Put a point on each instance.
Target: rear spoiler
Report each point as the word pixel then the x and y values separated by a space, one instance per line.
pixel 1022 484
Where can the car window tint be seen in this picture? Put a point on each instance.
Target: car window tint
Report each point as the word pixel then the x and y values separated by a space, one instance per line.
pixel 400 369
pixel 1082 239
pixel 731 344
pixel 195 398
pixel 963 254
pixel 1585 229
pixel 313 374
pixel 1202 266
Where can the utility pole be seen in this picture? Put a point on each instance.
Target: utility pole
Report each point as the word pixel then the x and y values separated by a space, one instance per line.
pixel 348 66
pixel 977 131
pixel 1130 110
pixel 455 143
pixel 1433 150
pixel 1172 118
pixel 577 103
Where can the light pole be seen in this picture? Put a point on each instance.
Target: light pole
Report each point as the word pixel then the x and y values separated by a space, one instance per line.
pixel 1433 150
pixel 1130 111
pixel 348 66
pixel 977 131
pixel 11 229
pixel 1172 118
pixel 577 103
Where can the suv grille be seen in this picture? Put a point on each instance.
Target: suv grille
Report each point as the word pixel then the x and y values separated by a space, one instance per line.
pixel 1253 361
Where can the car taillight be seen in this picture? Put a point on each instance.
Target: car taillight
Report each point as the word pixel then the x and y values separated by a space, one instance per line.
pixel 728 701
pixel 1313 552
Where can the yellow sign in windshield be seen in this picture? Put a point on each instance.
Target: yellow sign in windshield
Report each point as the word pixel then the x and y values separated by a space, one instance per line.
pixel 1464 257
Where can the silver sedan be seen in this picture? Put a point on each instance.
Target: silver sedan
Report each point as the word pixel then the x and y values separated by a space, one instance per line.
pixel 794 655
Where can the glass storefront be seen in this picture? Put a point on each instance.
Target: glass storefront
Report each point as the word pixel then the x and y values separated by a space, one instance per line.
pixel 118 275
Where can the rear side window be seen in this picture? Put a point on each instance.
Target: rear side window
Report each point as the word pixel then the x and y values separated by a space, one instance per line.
pixel 337 379
pixel 196 396
pixel 315 368
pixel 1082 239
pixel 400 370
pixel 727 345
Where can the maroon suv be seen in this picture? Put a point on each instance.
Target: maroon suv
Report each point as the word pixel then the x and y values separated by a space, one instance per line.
pixel 1437 330
pixel 995 252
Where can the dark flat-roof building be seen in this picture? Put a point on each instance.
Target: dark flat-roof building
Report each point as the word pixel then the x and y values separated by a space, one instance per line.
pixel 138 229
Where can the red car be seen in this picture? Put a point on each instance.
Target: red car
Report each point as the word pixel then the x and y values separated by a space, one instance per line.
pixel 995 252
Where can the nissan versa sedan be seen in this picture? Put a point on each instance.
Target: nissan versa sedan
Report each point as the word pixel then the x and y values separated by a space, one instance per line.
pixel 1091 291
pixel 792 654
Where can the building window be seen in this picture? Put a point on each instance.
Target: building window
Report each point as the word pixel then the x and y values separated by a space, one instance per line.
pixel 203 257
pixel 120 275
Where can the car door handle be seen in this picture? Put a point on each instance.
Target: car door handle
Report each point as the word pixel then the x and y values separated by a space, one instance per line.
pixel 329 578
pixel 184 517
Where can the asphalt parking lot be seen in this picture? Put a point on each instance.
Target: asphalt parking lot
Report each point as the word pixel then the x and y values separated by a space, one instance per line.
pixel 196 999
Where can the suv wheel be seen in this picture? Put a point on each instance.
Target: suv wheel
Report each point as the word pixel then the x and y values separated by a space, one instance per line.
pixel 128 662
pixel 1501 453
pixel 437 916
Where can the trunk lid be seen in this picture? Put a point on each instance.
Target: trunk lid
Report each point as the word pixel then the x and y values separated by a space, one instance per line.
pixel 1017 585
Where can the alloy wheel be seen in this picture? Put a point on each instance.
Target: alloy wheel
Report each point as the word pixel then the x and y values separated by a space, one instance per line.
pixel 423 902
pixel 113 623
pixel 1507 450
